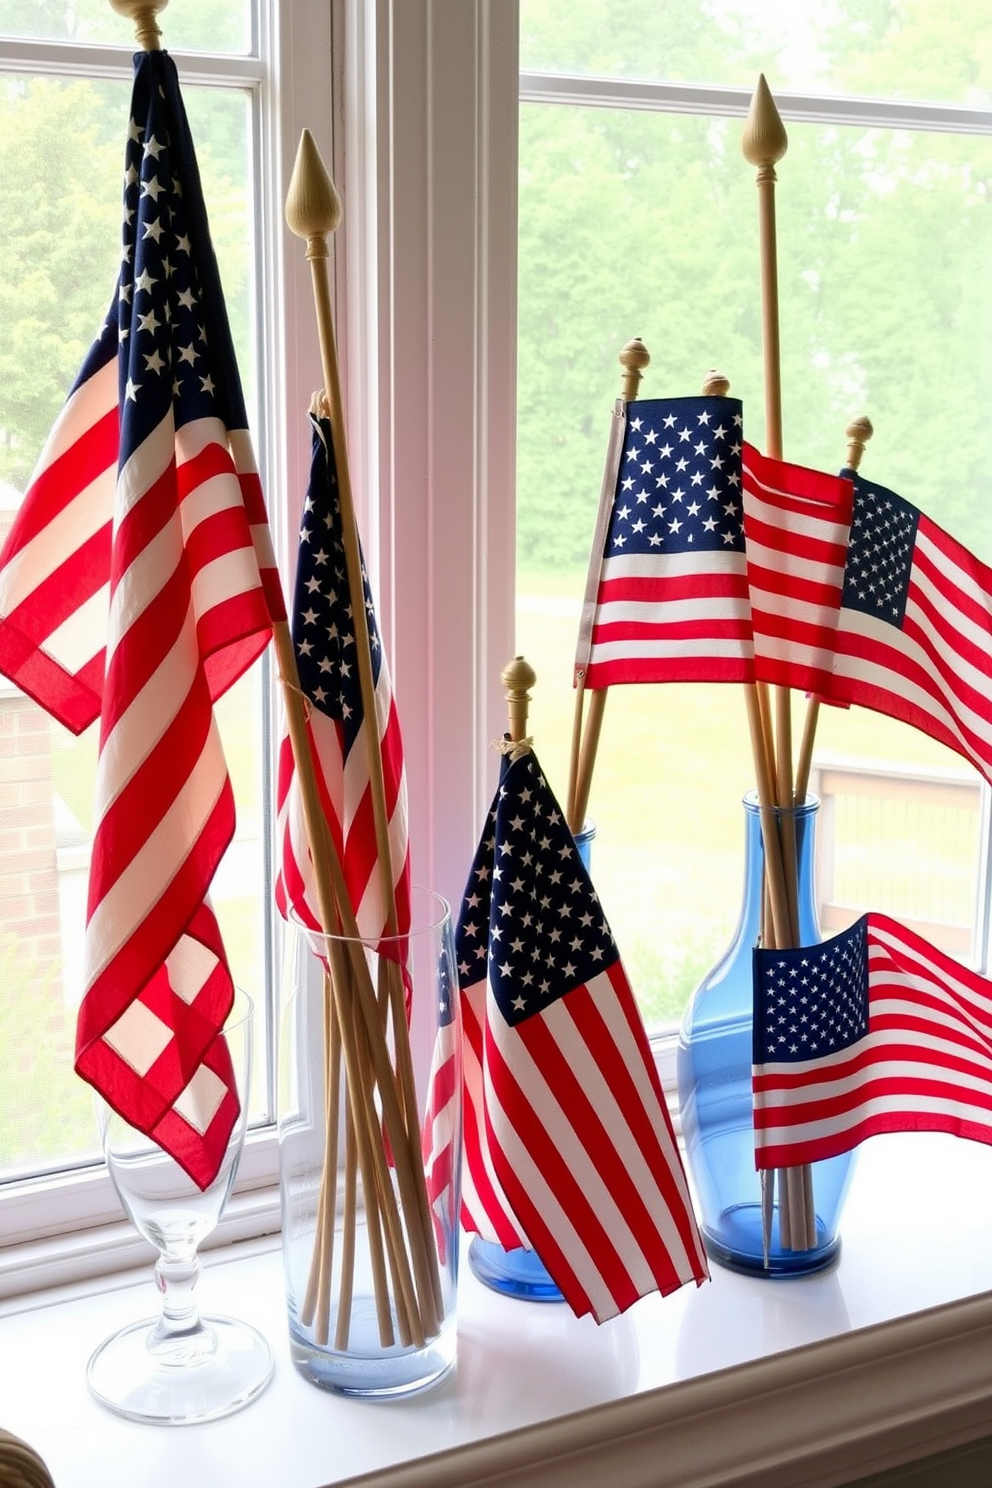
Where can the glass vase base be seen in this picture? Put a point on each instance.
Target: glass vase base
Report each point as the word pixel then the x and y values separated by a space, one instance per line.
pixel 216 1371
pixel 739 1248
pixel 367 1368
pixel 514 1273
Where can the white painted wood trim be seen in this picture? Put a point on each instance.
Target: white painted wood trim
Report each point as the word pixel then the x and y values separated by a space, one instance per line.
pixel 812 1417
pixel 428 296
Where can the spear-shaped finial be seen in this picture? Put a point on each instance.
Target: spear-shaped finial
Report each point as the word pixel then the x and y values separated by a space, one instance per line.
pixel 143 12
pixel 858 432
pixel 313 207
pixel 764 140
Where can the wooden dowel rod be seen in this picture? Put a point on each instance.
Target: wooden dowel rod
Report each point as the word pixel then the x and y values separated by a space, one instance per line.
pixel 313 210
pixel 633 359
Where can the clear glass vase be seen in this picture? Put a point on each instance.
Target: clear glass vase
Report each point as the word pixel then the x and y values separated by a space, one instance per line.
pixel 520 1272
pixel 714 1081
pixel 370 1154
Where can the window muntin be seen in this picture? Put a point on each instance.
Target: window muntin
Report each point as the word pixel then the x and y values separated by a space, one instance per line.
pixel 910 49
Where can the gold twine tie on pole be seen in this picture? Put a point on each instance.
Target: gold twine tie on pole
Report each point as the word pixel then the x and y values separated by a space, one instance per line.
pixel 582 761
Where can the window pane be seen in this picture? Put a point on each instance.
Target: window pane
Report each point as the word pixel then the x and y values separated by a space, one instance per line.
pixel 645 224
pixel 916 49
pixel 206 26
pixel 59 252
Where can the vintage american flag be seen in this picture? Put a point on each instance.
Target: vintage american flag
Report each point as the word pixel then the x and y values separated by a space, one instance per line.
pixel 914 632
pixel 873 1031
pixel 666 597
pixel 136 585
pixel 568 1143
pixel 796 525
pixel 324 641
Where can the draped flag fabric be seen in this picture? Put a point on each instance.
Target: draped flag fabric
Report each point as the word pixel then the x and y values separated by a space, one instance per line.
pixel 666 597
pixel 324 642
pixel 568 1144
pixel 914 631
pixel 796 525
pixel 873 1031
pixel 137 584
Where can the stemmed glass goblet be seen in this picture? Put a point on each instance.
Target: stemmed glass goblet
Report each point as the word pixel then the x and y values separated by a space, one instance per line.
pixel 180 1367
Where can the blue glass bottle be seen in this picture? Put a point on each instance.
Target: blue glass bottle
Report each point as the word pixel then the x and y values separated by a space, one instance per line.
pixel 714 1080
pixel 519 1273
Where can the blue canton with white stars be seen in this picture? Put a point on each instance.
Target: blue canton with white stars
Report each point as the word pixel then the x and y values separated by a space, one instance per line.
pixel 529 902
pixel 880 553
pixel 679 487
pixel 813 1001
pixel 168 325
pixel 323 626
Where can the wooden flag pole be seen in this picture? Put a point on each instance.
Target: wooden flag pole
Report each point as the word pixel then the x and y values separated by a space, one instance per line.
pixel 858 432
pixel 633 358
pixel 764 142
pixel 313 211
pixel 517 677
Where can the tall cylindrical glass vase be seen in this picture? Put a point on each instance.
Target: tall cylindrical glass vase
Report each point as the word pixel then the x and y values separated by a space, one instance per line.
pixel 369 1154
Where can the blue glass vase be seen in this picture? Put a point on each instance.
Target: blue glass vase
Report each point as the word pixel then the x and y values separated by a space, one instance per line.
pixel 714 1080
pixel 519 1273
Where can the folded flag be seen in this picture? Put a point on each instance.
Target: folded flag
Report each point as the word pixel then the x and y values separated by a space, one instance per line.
pixel 874 1030
pixel 666 596
pixel 568 1145
pixel 914 632
pixel 324 641
pixel 136 584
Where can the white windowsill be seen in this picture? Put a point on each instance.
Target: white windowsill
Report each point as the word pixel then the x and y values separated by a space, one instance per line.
pixel 882 1360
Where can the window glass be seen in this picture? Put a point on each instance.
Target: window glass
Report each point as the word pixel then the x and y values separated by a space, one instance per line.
pixel 202 26
pixel 59 251
pixel 906 49
pixel 645 224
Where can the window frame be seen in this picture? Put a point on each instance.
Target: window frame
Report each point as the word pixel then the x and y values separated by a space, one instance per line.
pixel 424 270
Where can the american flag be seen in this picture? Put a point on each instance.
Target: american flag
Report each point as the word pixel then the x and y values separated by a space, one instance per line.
pixel 914 633
pixel 666 598
pixel 441 1134
pixel 568 1144
pixel 136 585
pixel 873 1031
pixel 796 524
pixel 324 642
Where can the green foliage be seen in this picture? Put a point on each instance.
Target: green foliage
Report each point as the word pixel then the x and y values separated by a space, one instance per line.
pixel 646 224
pixel 59 249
